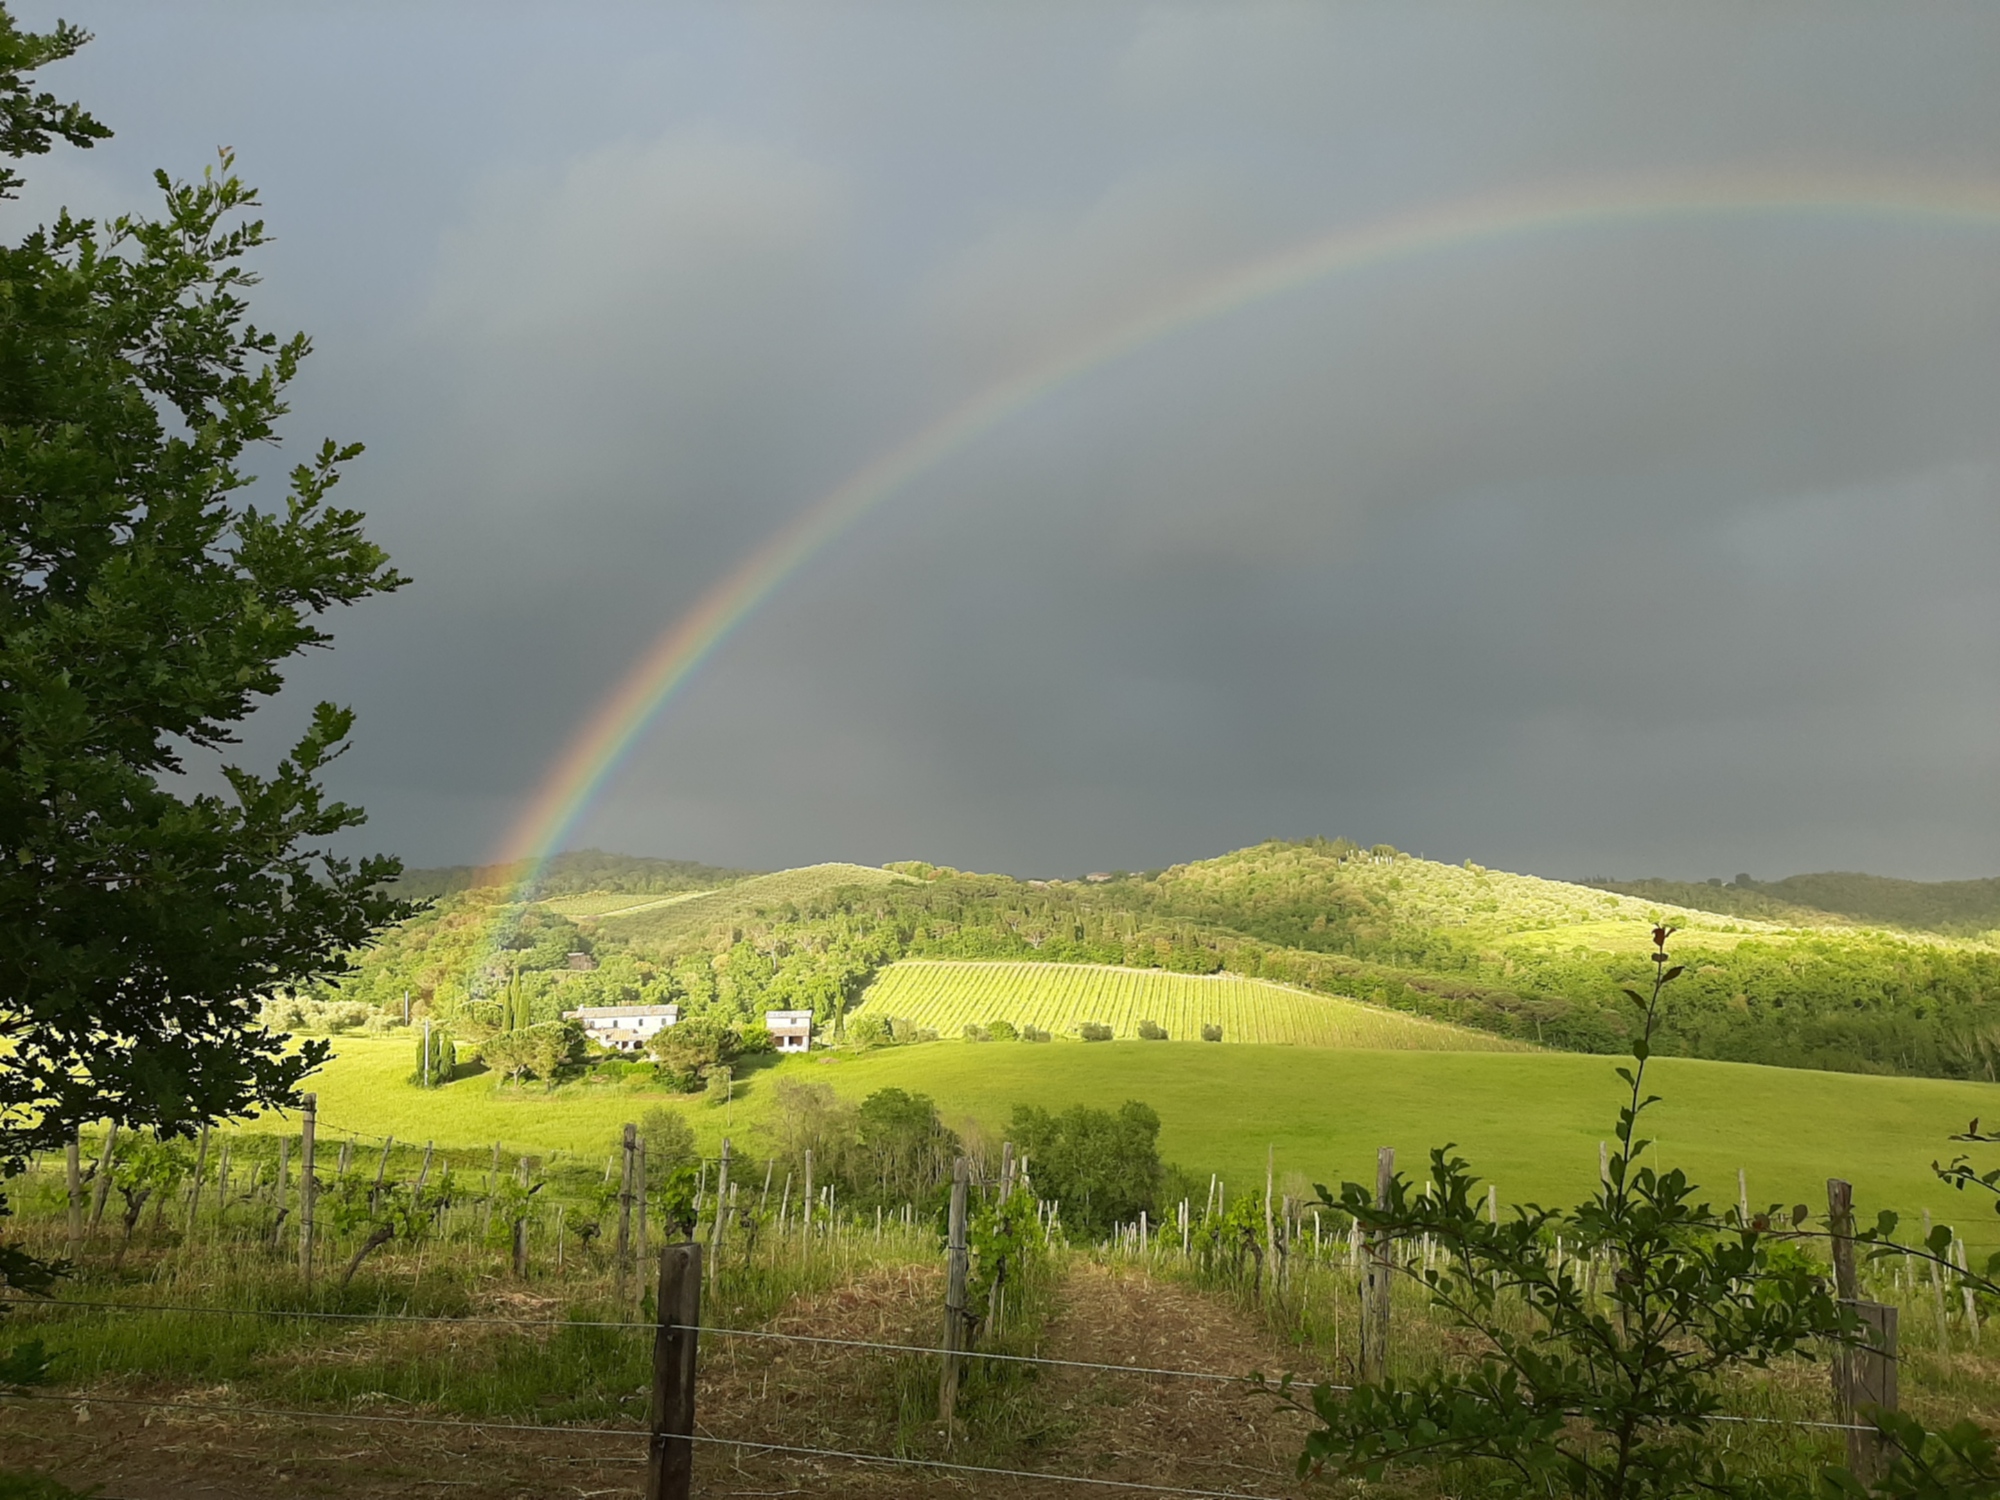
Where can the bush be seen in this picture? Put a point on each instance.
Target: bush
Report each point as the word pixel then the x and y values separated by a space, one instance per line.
pixel 869 1031
pixel 1002 1031
pixel 755 1037
pixel 1094 1031
pixel 721 1087
pixel 911 1035
pixel 1152 1031
pixel 974 1032
pixel 1035 1034
pixel 1211 1032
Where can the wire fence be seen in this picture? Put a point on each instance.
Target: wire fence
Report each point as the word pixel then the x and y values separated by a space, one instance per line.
pixel 774 1335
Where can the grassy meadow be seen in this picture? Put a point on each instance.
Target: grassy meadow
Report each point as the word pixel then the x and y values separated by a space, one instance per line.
pixel 947 996
pixel 1529 1122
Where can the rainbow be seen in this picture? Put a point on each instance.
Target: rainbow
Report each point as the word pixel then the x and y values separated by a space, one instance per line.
pixel 596 752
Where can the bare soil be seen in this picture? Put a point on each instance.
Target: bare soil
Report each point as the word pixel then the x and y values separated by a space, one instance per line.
pixel 1151 1429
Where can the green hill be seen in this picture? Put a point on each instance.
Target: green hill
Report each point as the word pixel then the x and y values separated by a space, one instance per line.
pixel 571 874
pixel 758 897
pixel 1513 956
pixel 1057 998
pixel 1964 908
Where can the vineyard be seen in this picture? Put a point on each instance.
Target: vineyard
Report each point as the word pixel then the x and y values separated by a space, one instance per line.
pixel 1058 998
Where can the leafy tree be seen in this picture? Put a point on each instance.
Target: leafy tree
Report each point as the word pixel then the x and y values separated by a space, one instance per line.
pixel 670 1144
pixel 1604 1393
pixel 904 1149
pixel 686 1054
pixel 1104 1167
pixel 146 608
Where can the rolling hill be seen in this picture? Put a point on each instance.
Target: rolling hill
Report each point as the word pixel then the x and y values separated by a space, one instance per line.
pixel 1512 956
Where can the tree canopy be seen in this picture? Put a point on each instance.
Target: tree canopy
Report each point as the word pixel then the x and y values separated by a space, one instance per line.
pixel 147 608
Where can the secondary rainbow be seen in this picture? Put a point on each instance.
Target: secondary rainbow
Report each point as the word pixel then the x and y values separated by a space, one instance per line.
pixel 595 753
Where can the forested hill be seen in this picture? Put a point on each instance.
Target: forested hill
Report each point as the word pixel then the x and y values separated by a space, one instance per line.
pixel 574 873
pixel 1537 960
pixel 1961 908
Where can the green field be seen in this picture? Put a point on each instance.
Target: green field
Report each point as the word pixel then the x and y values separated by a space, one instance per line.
pixel 947 995
pixel 1529 1121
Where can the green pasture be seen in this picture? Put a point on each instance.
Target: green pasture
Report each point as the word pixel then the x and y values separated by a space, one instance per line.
pixel 945 996
pixel 1529 1122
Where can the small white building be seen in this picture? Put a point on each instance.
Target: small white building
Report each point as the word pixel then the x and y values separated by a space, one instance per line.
pixel 625 1027
pixel 791 1030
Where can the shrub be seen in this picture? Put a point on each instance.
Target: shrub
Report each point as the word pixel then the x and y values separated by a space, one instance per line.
pixel 974 1032
pixel 869 1031
pixel 755 1037
pixel 1002 1031
pixel 1152 1031
pixel 1094 1031
pixel 911 1035
pixel 1035 1034
pixel 1211 1031
pixel 721 1087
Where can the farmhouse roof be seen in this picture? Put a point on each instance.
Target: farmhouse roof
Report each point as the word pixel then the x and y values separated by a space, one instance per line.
pixel 618 1012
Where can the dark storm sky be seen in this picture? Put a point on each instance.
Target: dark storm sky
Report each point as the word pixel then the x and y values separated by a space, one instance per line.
pixel 1645 549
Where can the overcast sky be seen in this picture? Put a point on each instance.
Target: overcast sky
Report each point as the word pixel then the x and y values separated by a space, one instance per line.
pixel 1664 549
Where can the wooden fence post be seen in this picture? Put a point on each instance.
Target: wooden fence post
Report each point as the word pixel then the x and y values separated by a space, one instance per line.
pixel 1864 1374
pixel 194 1188
pixel 631 1140
pixel 639 1201
pixel 670 1453
pixel 721 1204
pixel 381 1168
pixel 1375 1280
pixel 806 1199
pixel 73 1180
pixel 521 1223
pixel 308 1185
pixel 102 1194
pixel 954 1298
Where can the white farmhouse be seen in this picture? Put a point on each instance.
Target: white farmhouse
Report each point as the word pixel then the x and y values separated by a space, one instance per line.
pixel 628 1028
pixel 791 1030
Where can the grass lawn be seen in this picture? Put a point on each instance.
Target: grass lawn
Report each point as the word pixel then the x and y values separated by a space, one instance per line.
pixel 1528 1121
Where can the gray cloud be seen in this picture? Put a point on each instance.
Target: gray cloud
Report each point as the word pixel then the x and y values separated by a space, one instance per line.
pixel 1633 548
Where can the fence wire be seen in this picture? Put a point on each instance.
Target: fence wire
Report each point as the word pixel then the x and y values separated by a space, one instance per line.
pixel 923 1350
pixel 749 1445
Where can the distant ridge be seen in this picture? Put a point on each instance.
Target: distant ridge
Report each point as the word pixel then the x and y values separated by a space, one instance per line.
pixel 572 873
pixel 1956 908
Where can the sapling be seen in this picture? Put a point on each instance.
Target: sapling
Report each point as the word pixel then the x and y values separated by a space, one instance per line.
pixel 1606 1393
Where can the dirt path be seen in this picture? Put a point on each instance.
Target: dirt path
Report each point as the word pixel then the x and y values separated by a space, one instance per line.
pixel 1149 1428
pixel 1159 1429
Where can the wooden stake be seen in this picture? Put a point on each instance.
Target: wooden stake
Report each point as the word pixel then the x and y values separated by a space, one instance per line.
pixel 308 1185
pixel 521 1224
pixel 954 1298
pixel 806 1199
pixel 670 1452
pixel 626 1154
pixel 639 1200
pixel 103 1189
pixel 381 1168
pixel 721 1204
pixel 1375 1283
pixel 73 1178
pixel 1864 1374
pixel 194 1188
